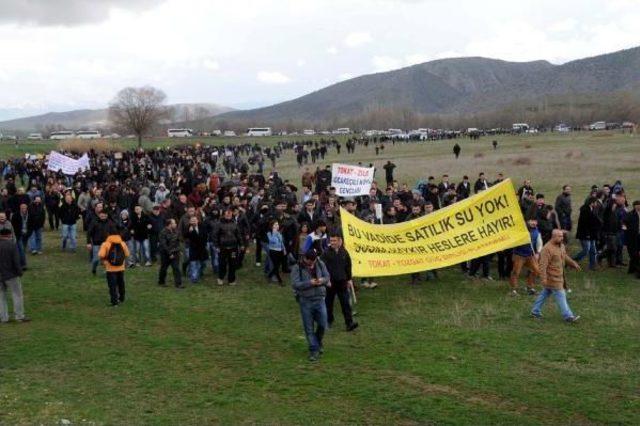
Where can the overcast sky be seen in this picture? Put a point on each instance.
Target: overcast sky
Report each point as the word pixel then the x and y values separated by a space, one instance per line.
pixel 69 54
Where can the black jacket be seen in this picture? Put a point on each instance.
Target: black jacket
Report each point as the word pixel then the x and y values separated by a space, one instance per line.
pixel 339 266
pixel 169 242
pixel 36 216
pixel 9 260
pixel 197 244
pixel 139 226
pixel 227 235
pixel 98 231
pixel 589 224
pixel 69 213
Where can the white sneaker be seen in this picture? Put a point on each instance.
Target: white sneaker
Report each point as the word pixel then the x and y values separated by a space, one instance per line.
pixel 147 264
pixel 232 283
pixel 373 285
pixel 514 293
pixel 258 264
pixel 220 282
pixel 366 284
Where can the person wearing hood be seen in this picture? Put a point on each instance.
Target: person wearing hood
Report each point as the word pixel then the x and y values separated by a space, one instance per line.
pixel 145 202
pixel 113 253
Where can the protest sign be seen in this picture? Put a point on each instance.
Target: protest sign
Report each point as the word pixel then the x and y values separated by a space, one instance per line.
pixel 68 165
pixel 486 223
pixel 351 181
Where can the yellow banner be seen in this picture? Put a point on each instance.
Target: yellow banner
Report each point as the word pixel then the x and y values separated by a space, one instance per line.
pixel 485 223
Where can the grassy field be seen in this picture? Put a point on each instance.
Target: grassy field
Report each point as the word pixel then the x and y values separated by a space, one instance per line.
pixel 446 352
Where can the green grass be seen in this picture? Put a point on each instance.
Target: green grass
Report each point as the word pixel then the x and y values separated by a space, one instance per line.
pixel 446 352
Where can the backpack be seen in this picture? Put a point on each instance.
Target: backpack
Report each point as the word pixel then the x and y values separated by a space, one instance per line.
pixel 116 256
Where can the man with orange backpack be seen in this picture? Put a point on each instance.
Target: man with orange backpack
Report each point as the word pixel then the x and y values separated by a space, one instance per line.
pixel 113 253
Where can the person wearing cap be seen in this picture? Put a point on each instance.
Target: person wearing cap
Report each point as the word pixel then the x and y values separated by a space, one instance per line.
pixel 310 280
pixel 553 258
pixel 10 273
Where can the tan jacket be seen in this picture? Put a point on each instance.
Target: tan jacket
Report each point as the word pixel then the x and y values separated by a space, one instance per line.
pixel 552 260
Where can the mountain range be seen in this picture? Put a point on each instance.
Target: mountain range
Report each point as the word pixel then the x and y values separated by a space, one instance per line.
pixel 458 86
pixel 453 87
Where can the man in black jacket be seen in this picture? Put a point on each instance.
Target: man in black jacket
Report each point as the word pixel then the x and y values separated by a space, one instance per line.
pixel 69 213
pixel 228 241
pixel 20 223
pixel 169 247
pixel 10 273
pixel 97 234
pixel 632 238
pixel 36 222
pixel 338 263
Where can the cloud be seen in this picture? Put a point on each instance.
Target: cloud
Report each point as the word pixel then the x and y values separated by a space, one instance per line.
pixel 385 63
pixel 211 65
pixel 357 39
pixel 273 77
pixel 332 50
pixel 345 76
pixel 66 12
pixel 301 62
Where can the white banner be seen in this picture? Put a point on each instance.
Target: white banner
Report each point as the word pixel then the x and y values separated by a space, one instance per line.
pixel 351 181
pixel 68 165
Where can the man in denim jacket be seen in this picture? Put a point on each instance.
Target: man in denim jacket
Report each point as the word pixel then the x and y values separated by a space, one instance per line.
pixel 310 279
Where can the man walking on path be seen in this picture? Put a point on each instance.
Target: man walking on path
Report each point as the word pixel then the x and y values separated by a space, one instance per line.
pixel 552 261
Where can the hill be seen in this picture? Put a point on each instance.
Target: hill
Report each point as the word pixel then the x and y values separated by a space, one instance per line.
pixel 457 86
pixel 98 118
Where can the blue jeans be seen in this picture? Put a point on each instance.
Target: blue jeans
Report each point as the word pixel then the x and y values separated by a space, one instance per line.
pixel 95 260
pixel 215 261
pixel 69 234
pixel 196 269
pixel 35 240
pixel 313 311
pixel 561 301
pixel 588 248
pixel 141 251
pixel 20 243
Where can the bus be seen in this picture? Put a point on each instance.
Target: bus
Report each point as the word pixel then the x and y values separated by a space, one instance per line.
pixel 63 134
pixel 342 131
pixel 520 127
pixel 179 133
pixel 34 137
pixel 88 134
pixel 259 131
pixel 308 132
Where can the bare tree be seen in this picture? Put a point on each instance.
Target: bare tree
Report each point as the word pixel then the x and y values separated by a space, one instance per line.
pixel 138 110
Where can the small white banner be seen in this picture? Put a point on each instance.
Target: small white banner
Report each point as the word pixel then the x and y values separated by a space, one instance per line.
pixel 351 181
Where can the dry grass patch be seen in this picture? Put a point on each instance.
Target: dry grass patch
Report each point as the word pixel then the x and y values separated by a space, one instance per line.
pixel 83 145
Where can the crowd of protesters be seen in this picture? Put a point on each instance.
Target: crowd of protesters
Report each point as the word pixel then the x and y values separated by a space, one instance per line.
pixel 195 207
